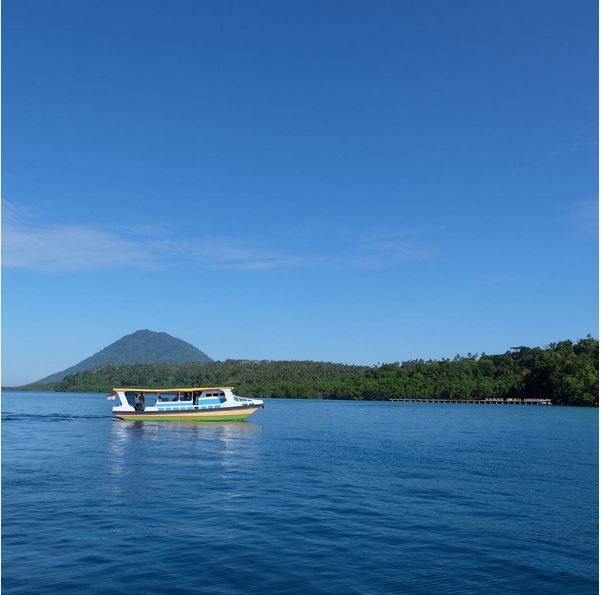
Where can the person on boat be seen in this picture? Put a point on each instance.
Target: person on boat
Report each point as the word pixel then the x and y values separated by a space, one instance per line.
pixel 141 401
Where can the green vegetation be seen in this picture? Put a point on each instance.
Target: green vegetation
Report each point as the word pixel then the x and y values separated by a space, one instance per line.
pixel 141 347
pixel 566 372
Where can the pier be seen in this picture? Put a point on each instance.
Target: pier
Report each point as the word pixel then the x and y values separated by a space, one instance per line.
pixel 487 401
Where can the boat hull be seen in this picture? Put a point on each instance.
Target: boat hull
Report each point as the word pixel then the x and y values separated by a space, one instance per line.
pixel 227 414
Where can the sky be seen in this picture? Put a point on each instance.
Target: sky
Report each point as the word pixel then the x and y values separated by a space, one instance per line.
pixel 360 182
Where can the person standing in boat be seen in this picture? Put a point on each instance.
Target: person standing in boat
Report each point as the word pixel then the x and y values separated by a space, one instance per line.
pixel 138 402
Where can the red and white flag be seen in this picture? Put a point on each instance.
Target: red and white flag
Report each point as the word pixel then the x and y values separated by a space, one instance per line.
pixel 111 396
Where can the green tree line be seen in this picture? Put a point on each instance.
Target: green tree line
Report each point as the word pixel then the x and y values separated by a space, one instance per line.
pixel 566 372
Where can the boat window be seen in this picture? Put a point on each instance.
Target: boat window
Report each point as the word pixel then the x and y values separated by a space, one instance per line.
pixel 166 398
pixel 186 397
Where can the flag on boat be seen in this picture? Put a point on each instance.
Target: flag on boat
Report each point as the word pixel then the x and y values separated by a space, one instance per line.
pixel 111 396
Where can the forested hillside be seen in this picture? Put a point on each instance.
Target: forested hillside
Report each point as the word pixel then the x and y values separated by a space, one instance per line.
pixel 566 372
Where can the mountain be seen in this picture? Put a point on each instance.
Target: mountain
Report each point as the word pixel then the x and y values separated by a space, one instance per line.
pixel 141 347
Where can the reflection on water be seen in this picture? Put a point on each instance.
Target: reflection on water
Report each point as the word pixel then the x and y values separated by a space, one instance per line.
pixel 123 431
pixel 139 448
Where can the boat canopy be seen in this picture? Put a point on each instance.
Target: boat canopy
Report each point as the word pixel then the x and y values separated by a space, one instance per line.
pixel 172 390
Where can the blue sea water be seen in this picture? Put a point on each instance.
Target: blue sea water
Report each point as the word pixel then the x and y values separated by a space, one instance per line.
pixel 305 497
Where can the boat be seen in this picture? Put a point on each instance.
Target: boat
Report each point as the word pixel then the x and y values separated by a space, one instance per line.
pixel 214 403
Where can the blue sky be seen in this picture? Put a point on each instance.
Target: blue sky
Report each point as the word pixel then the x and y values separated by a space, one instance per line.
pixel 360 182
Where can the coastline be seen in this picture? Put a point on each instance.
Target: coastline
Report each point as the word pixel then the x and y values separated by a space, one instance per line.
pixel 416 401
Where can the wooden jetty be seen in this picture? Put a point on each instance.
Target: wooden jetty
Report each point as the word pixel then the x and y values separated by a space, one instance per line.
pixel 486 401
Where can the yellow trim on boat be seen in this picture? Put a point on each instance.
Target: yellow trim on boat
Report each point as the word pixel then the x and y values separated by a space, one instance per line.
pixel 172 390
pixel 197 415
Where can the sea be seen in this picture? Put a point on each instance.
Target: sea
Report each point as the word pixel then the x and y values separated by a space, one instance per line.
pixel 308 496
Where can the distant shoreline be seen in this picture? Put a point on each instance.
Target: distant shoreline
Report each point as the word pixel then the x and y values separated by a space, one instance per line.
pixel 417 401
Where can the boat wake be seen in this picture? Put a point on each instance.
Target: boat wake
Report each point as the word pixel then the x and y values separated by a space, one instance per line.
pixel 7 416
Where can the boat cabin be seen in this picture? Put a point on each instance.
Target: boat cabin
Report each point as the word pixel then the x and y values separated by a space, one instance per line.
pixel 177 399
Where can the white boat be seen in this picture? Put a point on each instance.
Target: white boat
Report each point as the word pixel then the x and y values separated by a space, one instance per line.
pixel 217 403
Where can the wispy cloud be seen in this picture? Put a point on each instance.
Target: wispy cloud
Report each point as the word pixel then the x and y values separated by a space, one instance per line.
pixel 579 217
pixel 70 248
pixel 28 244
pixel 342 245
pixel 398 245
pixel 16 214
pixel 574 147
pixel 217 253
pixel 586 215
pixel 79 248
pixel 498 279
